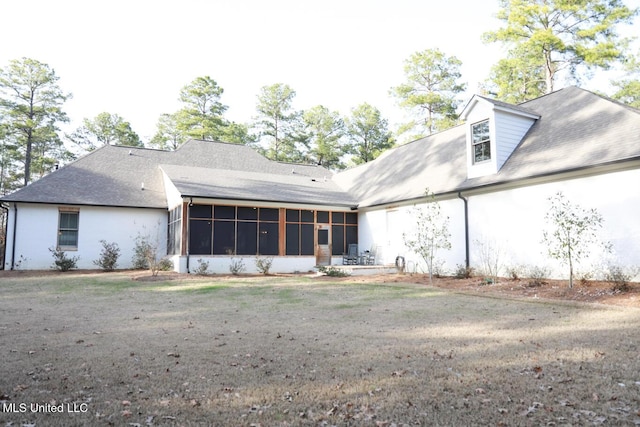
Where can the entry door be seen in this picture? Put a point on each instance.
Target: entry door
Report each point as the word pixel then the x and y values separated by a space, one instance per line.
pixel 323 244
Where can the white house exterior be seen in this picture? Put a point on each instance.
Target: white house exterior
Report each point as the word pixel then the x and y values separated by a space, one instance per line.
pixel 216 202
pixel 37 227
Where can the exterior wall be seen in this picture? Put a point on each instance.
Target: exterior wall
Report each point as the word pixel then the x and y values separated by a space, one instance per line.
pixel 174 198
pixel 37 230
pixel 383 229
pixel 513 221
pixel 219 264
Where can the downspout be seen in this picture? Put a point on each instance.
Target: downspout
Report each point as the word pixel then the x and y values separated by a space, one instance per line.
pixel 6 230
pixel 13 238
pixel 466 229
pixel 188 242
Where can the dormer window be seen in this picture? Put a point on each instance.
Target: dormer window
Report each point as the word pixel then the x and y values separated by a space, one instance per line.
pixel 480 141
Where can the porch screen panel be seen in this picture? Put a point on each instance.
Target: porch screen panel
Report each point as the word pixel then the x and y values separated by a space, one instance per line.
pixel 224 234
pixel 337 240
pixel 246 241
pixel 200 237
pixel 268 238
pixel 306 239
pixel 351 235
pixel 293 239
pixel 300 235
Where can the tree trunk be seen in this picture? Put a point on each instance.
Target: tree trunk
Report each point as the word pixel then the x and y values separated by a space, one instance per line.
pixel 27 158
pixel 549 71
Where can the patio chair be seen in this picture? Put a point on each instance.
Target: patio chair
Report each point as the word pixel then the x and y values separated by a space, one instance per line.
pixel 369 257
pixel 351 257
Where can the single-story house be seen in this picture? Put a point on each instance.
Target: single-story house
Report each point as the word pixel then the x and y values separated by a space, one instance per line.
pixel 218 203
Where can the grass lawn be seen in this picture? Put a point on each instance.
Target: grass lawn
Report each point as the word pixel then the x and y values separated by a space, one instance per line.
pixel 287 351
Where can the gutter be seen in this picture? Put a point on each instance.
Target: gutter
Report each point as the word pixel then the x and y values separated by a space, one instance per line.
pixel 466 229
pixel 567 174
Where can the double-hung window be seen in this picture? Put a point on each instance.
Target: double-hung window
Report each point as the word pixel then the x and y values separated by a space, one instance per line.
pixel 481 141
pixel 68 221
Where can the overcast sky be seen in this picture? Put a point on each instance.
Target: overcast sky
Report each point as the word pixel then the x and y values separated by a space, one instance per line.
pixel 132 57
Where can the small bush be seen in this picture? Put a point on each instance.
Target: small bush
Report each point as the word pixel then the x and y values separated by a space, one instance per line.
pixel 619 277
pixel 61 261
pixel 141 251
pixel 584 276
pixel 145 256
pixel 537 276
pixel 332 271
pixel 463 272
pixel 203 267
pixel 264 264
pixel 515 272
pixel 109 254
pixel 237 266
pixel 163 264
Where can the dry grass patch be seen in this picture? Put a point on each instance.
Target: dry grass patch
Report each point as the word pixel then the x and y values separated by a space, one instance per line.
pixel 284 351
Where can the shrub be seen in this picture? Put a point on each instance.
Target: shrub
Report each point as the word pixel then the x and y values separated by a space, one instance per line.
pixel 572 233
pixel 237 266
pixel 516 272
pixel 141 251
pixel 145 256
pixel 203 267
pixel 109 254
pixel 264 264
pixel 162 264
pixel 63 262
pixel 332 271
pixel 463 272
pixel 619 277
pixel 490 254
pixel 430 232
pixel 537 276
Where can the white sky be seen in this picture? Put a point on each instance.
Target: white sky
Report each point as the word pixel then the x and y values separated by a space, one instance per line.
pixel 132 57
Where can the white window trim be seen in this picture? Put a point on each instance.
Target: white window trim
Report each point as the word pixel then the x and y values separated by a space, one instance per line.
pixel 484 141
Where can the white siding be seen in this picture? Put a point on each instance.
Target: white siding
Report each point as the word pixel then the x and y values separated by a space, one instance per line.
pixel 174 198
pixel 37 230
pixel 509 131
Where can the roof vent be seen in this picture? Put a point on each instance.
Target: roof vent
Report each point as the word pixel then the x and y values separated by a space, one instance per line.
pixel 142 186
pixel 130 152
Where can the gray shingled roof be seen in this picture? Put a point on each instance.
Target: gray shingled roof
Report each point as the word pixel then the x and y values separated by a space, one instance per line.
pixel 113 176
pixel 292 187
pixel 108 176
pixel 577 129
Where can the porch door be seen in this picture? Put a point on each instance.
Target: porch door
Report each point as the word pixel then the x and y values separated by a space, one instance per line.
pixel 323 244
